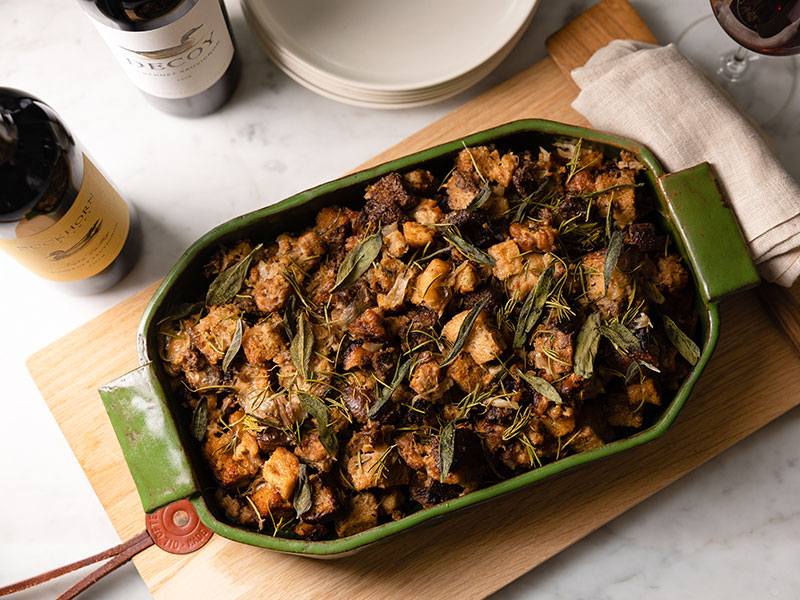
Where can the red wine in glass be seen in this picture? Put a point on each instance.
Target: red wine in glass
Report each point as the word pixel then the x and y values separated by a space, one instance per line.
pixel 763 26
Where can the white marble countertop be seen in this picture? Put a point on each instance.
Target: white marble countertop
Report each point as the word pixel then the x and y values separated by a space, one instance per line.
pixel 728 530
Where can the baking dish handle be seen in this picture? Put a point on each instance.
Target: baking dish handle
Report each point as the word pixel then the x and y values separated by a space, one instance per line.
pixel 137 407
pixel 709 231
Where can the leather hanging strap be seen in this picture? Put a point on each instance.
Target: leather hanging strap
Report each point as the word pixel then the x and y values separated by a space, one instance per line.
pixel 175 528
pixel 119 554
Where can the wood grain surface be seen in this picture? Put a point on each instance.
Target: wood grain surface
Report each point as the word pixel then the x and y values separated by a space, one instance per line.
pixel 476 552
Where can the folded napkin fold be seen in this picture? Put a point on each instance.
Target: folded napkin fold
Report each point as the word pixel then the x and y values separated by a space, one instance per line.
pixel 655 95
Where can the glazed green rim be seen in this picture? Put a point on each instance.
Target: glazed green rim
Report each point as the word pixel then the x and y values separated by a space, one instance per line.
pixel 707 306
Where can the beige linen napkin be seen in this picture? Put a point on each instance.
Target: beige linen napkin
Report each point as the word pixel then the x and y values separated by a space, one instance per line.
pixel 653 94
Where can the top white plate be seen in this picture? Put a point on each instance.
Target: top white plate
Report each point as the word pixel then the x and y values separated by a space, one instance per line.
pixel 389 45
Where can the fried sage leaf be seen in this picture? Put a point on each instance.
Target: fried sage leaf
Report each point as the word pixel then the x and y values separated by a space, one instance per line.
pixel 302 346
pixel 635 370
pixel 586 346
pixel 447 448
pixel 302 494
pixel 542 386
pixel 481 198
pixel 317 409
pixel 464 331
pixel 233 349
pixel 682 342
pixel 386 392
pixel 357 261
pixel 619 335
pixel 534 304
pixel 468 250
pixel 612 256
pixel 228 283
pixel 200 420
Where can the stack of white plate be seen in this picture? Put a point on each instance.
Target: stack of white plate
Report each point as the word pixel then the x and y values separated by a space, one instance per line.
pixel 388 53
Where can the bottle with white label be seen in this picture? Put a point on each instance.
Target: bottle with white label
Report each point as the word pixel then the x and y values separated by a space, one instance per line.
pixel 59 216
pixel 179 53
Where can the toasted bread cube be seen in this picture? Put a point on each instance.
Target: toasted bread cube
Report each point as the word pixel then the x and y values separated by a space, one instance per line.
pixel 417 235
pixel 484 342
pixel 507 258
pixel 264 341
pixel 360 513
pixel 281 471
pixel 430 288
pixel 213 333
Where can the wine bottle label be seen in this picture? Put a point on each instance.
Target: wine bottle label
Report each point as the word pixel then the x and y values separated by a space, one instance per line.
pixel 80 244
pixel 179 60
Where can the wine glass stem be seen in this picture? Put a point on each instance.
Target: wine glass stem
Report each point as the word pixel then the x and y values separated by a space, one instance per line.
pixel 734 64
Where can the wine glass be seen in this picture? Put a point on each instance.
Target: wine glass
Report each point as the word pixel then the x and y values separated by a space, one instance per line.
pixel 761 84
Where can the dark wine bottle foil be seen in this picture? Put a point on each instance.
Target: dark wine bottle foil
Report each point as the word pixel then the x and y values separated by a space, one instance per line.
pixel 59 216
pixel 179 53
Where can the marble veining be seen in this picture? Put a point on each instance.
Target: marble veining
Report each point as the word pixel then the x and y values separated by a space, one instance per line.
pixel 728 530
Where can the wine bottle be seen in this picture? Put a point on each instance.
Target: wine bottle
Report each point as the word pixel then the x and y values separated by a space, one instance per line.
pixel 179 53
pixel 59 216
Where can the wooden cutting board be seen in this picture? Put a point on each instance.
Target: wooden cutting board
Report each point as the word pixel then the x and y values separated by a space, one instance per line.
pixel 475 553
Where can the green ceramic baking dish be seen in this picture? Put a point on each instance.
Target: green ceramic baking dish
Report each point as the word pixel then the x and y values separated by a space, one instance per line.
pixel 156 442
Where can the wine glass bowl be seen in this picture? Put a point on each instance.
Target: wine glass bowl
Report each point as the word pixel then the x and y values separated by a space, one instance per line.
pixel 747 46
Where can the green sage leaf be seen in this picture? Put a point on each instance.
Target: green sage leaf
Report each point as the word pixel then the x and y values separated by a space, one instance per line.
pixel 228 283
pixel 542 386
pixel 386 393
pixel 357 261
pixel 302 346
pixel 302 494
pixel 586 346
pixel 481 198
pixel 682 342
pixel 612 256
pixel 468 250
pixel 534 305
pixel 200 420
pixel 447 448
pixel 464 331
pixel 317 409
pixel 635 368
pixel 620 336
pixel 233 349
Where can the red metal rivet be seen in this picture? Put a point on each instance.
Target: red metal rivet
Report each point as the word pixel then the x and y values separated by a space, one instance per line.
pixel 177 528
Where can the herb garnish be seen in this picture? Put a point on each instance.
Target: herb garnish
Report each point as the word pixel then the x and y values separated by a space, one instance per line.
pixel 200 420
pixel 447 448
pixel 386 393
pixel 233 349
pixel 534 305
pixel 682 342
pixel 357 261
pixel 467 249
pixel 317 409
pixel 542 386
pixel 586 346
pixel 620 336
pixel 481 198
pixel 228 283
pixel 464 331
pixel 302 346
pixel 612 256
pixel 302 495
